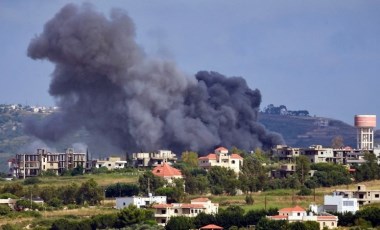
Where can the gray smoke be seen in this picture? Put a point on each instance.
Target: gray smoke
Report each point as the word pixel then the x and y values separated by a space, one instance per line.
pixel 104 83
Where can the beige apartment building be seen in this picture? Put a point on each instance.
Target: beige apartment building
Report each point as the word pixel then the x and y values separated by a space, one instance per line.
pixel 149 159
pixel 361 193
pixel 32 164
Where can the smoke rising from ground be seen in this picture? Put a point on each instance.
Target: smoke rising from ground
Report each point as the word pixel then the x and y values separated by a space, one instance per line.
pixel 104 83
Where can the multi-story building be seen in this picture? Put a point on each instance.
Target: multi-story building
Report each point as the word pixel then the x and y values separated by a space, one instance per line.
pixel 32 164
pixel 138 201
pixel 339 203
pixel 363 195
pixel 284 152
pixel 299 214
pixel 221 158
pixel 110 163
pixel 163 212
pixel 318 154
pixel 149 159
pixel 285 170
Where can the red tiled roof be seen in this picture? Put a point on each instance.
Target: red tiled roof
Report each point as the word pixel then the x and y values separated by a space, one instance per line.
pixel 200 199
pixel 236 156
pixel 166 170
pixel 162 205
pixel 221 149
pixel 327 218
pixel 278 217
pixel 294 209
pixel 211 156
pixel 212 227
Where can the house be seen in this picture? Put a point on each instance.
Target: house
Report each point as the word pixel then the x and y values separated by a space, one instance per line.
pixel 167 172
pixel 362 195
pixel 148 159
pixel 339 203
pixel 33 164
pixel 222 158
pixel 110 163
pixel 122 202
pixel 163 212
pixel 297 213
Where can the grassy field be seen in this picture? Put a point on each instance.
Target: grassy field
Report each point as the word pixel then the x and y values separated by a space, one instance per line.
pixel 102 179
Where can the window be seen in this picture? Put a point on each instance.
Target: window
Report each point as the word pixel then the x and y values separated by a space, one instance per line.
pixel 298 214
pixel 109 165
pixel 175 210
pixel 233 161
pixel 324 224
pixel 348 203
pixel 163 211
pixel 376 195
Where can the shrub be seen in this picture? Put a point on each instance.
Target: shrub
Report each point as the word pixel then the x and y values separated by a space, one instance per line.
pixel 8 195
pixel 249 199
pixel 304 191
pixel 31 180
pixel 4 210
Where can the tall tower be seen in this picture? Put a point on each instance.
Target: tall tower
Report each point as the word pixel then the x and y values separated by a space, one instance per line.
pixel 365 125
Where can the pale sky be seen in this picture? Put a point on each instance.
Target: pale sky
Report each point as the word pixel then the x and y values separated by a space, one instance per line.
pixel 323 56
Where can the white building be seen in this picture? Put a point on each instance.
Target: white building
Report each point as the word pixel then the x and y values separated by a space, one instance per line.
pixel 147 159
pixel 122 202
pixel 299 214
pixel 221 158
pixel 163 212
pixel 338 203
pixel 110 163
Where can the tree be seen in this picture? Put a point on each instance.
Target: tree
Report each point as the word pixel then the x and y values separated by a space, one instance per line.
pixel 222 180
pixel 132 215
pixel 69 193
pixel 232 216
pixel 253 175
pixel 266 224
pixel 302 168
pixel 180 223
pixel 122 189
pixel 104 221
pixel 337 142
pixel 190 158
pixel 148 182
pixel 90 192
pixel 203 219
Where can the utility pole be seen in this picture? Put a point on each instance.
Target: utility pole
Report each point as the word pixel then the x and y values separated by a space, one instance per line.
pixel 265 202
pixel 148 186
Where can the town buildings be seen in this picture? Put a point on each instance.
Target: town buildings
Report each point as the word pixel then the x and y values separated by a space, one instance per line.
pixel 110 163
pixel 148 159
pixel 33 164
pixel 139 202
pixel 221 157
pixel 163 212
pixel 297 213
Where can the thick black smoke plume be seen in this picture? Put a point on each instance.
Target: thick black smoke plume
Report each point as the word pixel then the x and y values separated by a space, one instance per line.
pixel 104 83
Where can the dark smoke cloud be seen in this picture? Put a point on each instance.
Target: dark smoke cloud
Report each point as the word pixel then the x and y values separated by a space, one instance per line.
pixel 104 83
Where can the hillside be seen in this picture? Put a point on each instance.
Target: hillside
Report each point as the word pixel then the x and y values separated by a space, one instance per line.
pixel 301 131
